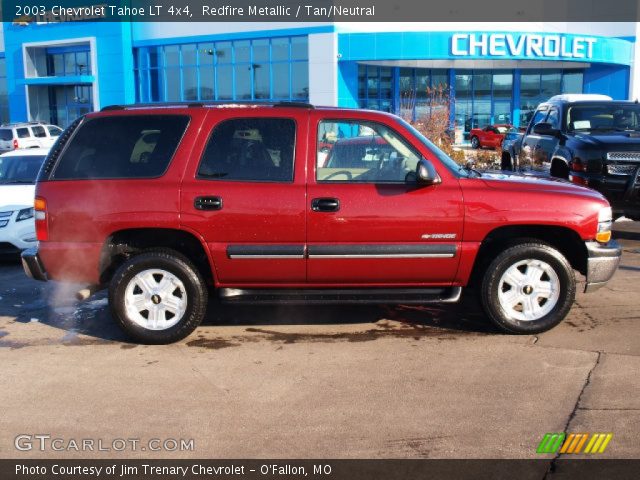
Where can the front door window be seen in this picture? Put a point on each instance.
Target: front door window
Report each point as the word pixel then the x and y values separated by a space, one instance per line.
pixel 363 152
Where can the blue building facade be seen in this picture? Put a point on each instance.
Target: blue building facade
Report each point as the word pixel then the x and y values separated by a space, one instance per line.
pixel 55 72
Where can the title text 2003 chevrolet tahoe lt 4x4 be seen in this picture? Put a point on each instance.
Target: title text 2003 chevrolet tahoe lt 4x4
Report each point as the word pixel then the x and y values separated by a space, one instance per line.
pixel 290 203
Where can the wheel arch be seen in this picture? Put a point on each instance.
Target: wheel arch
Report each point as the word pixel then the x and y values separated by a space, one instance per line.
pixel 563 239
pixel 559 166
pixel 123 244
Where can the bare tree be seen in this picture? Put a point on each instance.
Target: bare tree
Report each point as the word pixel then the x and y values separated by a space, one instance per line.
pixel 434 120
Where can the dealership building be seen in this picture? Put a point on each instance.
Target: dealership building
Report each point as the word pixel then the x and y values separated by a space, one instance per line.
pixel 56 70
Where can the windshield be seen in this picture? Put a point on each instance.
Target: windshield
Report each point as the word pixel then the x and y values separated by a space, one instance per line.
pixel 447 161
pixel 20 169
pixel 604 117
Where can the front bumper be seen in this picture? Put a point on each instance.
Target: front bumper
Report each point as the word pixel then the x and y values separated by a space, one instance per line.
pixel 32 265
pixel 602 263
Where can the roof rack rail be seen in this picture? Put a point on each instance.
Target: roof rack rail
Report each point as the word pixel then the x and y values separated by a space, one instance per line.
pixel 294 104
pixel 156 104
pixel 206 104
pixel 13 124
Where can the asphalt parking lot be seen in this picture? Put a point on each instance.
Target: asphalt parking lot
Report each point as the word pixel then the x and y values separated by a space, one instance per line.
pixel 334 382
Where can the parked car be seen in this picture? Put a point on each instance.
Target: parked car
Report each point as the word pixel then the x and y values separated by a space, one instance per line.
pixel 233 201
pixel 593 141
pixel 511 146
pixel 18 172
pixel 28 135
pixel 490 136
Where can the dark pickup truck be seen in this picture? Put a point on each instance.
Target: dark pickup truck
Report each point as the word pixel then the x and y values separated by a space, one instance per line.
pixel 593 141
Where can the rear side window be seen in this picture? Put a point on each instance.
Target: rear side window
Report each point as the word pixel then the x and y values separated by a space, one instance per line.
pixel 22 132
pixel 250 149
pixel 128 146
pixel 6 134
pixel 38 132
pixel 54 131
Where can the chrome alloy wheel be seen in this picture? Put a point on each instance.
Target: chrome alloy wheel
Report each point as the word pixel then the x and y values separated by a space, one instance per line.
pixel 155 299
pixel 528 290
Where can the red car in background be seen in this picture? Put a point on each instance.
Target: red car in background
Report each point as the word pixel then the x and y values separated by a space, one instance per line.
pixel 489 136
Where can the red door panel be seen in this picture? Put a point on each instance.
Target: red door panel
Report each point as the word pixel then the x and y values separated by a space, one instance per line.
pixel 257 237
pixel 382 233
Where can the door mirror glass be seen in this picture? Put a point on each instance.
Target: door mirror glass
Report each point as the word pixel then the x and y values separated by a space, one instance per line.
pixel 426 174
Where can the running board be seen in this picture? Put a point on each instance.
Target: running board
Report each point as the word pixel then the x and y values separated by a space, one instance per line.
pixel 345 296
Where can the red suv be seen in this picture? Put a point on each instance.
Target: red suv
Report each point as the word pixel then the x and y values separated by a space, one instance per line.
pixel 168 204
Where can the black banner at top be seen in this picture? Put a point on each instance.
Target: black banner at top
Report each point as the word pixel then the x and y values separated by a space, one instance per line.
pixel 24 12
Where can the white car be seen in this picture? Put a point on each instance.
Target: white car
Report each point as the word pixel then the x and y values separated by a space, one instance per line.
pixel 18 172
pixel 27 135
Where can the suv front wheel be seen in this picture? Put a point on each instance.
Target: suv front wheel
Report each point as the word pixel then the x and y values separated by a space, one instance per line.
pixel 158 297
pixel 528 288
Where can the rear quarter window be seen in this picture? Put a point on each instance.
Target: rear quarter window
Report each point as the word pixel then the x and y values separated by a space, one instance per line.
pixel 127 146
pixel 23 132
pixel 38 132
pixel 6 134
pixel 54 131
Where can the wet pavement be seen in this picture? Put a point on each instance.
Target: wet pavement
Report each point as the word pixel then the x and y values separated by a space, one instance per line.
pixel 311 382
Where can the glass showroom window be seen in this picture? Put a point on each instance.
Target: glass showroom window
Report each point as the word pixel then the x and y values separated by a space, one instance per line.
pixel 415 86
pixel 422 91
pixel 68 61
pixel 375 88
pixel 243 70
pixel 482 97
pixel 538 86
pixel 4 102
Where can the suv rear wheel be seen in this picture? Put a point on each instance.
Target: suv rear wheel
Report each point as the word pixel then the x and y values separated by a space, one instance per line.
pixel 528 288
pixel 158 297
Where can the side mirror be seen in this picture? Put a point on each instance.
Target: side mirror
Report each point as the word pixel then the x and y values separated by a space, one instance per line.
pixel 426 174
pixel 544 128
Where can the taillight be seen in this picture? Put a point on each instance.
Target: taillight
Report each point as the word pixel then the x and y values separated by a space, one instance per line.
pixel 15 143
pixel 578 166
pixel 42 227
pixel 579 180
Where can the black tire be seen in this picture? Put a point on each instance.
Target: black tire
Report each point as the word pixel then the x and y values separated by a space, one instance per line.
pixel 521 252
pixel 505 162
pixel 475 143
pixel 176 264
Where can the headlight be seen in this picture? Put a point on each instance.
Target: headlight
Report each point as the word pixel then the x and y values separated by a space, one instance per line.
pixel 605 219
pixel 24 214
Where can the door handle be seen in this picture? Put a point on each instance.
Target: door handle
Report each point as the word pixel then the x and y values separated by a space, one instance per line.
pixel 325 205
pixel 208 203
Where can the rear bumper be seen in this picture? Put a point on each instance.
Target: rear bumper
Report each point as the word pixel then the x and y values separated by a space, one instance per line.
pixel 602 263
pixel 32 265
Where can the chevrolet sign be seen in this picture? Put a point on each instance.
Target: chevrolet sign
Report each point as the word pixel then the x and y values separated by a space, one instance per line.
pixel 521 45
